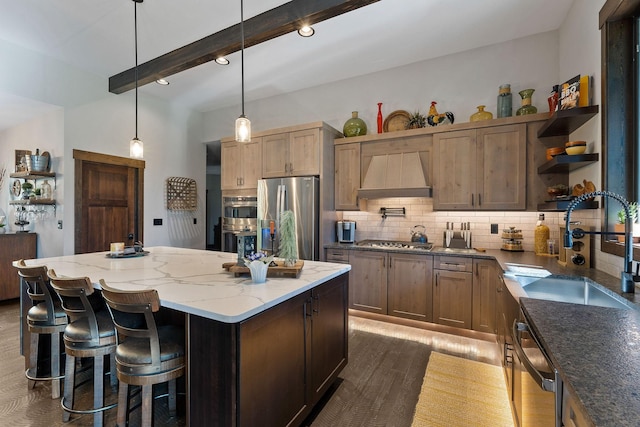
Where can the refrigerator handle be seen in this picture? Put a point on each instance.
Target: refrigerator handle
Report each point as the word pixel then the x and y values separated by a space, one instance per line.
pixel 279 201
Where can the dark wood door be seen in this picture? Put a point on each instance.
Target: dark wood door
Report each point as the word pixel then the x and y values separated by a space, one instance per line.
pixel 108 201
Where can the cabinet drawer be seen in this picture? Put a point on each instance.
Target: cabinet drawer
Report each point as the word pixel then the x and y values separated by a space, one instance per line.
pixel 452 263
pixel 340 256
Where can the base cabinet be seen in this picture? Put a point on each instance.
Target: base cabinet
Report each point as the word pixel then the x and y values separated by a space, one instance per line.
pixel 485 278
pixel 452 296
pixel 271 369
pixel 14 246
pixel 409 287
pixel 368 281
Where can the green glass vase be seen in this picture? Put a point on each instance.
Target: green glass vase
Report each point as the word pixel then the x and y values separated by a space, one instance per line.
pixel 355 126
pixel 526 108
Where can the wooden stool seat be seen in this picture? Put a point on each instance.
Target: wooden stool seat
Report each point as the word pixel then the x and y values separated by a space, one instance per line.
pixel 46 317
pixel 147 354
pixel 89 334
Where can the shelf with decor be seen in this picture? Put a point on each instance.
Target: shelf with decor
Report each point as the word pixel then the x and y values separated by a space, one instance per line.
pixel 562 205
pixel 27 202
pixel 16 188
pixel 564 122
pixel 568 163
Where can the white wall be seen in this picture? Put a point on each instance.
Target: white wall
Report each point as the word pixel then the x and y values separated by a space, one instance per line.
pixel 92 119
pixel 457 82
pixel 46 133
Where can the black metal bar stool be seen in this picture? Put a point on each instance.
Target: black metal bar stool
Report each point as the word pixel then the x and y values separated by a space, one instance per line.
pixel 89 334
pixel 46 317
pixel 147 354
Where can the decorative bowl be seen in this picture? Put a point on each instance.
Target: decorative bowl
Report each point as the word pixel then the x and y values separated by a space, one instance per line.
pixel 576 149
pixel 575 143
pixel 554 151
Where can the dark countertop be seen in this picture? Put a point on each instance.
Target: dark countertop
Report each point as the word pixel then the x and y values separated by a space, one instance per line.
pixel 595 349
pixel 597 353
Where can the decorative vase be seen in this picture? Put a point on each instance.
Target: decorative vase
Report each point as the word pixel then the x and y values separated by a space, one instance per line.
pixel 526 107
pixel 354 126
pixel 45 190
pixel 379 117
pixel 505 108
pixel 2 229
pixel 481 115
pixel 258 271
pixel 553 100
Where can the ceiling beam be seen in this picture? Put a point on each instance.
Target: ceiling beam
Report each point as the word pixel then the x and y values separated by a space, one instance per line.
pixel 268 25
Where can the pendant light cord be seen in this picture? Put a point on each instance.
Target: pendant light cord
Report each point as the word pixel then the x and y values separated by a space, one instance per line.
pixel 135 24
pixel 242 50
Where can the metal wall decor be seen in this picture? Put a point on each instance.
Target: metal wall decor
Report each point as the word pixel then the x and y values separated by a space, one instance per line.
pixel 181 194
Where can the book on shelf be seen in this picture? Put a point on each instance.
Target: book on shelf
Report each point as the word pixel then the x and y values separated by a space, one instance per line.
pixel 569 94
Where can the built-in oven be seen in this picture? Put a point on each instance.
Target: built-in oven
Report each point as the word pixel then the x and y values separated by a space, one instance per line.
pixel 537 386
pixel 239 214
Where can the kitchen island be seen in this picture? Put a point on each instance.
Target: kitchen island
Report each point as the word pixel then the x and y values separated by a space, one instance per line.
pixel 256 354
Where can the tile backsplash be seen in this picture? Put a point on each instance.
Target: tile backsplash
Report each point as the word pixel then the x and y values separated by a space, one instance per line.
pixel 419 211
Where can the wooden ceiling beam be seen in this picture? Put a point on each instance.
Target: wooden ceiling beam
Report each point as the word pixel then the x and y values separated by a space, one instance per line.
pixel 266 26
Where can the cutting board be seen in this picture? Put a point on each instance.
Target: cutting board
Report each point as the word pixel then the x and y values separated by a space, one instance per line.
pixel 279 271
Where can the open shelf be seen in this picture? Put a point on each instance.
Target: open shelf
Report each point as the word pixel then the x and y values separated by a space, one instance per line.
pixel 568 163
pixel 562 205
pixel 566 121
pixel 32 175
pixel 26 202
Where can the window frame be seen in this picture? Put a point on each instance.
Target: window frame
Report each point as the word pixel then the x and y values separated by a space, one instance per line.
pixel 619 28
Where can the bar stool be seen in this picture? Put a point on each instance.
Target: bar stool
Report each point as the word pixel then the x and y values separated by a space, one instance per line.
pixel 90 333
pixel 46 317
pixel 146 354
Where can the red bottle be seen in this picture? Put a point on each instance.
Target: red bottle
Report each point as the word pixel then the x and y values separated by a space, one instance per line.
pixel 379 117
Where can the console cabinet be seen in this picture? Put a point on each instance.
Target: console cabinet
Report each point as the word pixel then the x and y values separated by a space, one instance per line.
pixel 14 246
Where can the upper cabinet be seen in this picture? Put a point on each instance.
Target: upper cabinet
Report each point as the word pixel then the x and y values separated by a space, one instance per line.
pixel 240 165
pixel 347 176
pixel 291 154
pixel 480 169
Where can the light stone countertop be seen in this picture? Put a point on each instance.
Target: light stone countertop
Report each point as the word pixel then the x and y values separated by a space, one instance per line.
pixel 192 280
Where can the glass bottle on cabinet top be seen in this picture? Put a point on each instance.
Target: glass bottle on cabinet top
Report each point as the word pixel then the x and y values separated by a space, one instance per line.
pixel 505 105
pixel 526 107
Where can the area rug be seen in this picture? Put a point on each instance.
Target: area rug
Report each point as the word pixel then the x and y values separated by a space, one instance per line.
pixel 458 392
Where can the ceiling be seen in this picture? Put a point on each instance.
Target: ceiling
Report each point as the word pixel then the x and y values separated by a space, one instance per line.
pixel 98 36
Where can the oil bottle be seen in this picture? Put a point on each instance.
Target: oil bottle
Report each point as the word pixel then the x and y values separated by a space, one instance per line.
pixel 541 235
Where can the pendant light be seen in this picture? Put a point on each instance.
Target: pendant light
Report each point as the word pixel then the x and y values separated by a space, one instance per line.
pixel 136 147
pixel 243 125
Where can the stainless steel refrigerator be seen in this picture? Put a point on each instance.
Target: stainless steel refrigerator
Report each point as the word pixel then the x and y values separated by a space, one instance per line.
pixel 298 194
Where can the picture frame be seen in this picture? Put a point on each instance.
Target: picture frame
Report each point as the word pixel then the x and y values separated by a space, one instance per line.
pixel 21 163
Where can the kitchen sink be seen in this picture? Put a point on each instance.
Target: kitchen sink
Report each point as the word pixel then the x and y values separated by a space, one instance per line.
pixel 443 250
pixel 571 290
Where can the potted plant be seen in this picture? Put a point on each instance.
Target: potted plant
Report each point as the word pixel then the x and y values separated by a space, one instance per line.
pixel 417 121
pixel 619 227
pixel 26 189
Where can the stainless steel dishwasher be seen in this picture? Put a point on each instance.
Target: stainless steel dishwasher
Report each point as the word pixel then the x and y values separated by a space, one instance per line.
pixel 537 386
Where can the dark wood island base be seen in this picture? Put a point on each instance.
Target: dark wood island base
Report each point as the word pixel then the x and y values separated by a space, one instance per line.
pixel 271 369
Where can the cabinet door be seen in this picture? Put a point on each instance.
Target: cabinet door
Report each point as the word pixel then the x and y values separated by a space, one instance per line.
pixel 484 295
pixel 340 256
pixel 368 281
pixel 251 163
pixel 502 164
pixel 409 289
pixel 272 366
pixel 230 165
pixel 14 247
pixel 275 155
pixel 454 170
pixel 329 333
pixel 347 181
pixel 452 295
pixel 304 152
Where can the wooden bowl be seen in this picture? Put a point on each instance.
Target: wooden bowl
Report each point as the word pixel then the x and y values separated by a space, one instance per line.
pixel 554 151
pixel 576 149
pixel 575 143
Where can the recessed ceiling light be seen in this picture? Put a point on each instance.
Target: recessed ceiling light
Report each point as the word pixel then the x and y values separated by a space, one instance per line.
pixel 222 61
pixel 306 31
pixel 162 82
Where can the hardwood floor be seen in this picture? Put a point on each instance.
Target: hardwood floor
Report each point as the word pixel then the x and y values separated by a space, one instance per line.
pixel 379 386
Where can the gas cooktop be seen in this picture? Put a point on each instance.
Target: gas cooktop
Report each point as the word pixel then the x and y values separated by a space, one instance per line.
pixel 394 244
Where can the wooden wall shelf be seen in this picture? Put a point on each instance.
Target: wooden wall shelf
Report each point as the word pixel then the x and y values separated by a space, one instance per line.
pixel 568 163
pixel 562 205
pixel 566 121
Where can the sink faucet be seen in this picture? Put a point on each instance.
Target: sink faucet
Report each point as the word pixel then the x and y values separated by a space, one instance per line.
pixel 627 284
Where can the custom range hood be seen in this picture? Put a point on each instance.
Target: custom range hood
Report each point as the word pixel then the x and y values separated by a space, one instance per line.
pixel 396 175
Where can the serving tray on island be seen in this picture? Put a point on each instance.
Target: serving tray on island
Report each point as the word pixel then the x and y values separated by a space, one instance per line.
pixel 127 255
pixel 278 271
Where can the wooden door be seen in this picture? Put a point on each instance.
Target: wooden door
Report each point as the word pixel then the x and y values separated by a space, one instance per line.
pixel 485 283
pixel 409 286
pixel 454 170
pixel 368 281
pixel 275 155
pixel 452 297
pixel 304 152
pixel 108 201
pixel 347 182
pixel 502 168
